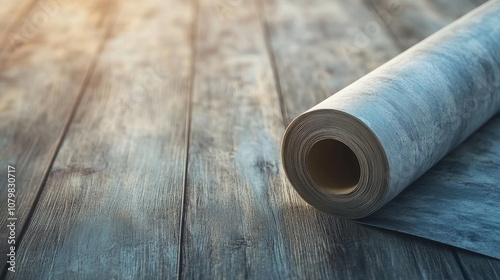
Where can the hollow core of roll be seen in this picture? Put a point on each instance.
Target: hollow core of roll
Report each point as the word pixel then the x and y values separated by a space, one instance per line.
pixel 333 166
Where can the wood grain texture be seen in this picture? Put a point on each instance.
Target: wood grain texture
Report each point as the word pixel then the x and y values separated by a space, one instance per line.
pixel 40 79
pixel 479 2
pixel 478 267
pixel 232 228
pixel 412 21
pixel 241 218
pixel 13 14
pixel 322 46
pixel 110 208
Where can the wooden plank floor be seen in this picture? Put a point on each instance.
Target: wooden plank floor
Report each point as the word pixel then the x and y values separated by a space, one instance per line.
pixel 145 137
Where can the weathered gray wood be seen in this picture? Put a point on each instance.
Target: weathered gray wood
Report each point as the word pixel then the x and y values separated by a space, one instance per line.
pixel 478 267
pixel 233 227
pixel 478 2
pixel 111 206
pixel 13 14
pixel 40 80
pixel 412 21
pixel 321 47
pixel 241 218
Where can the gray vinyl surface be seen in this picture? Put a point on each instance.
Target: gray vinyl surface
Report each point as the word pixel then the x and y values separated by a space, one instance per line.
pixel 457 201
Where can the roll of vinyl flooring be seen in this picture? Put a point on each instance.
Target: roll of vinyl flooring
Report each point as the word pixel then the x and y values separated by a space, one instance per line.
pixel 357 150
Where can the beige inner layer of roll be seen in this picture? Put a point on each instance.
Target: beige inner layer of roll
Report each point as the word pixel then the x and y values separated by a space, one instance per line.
pixel 333 166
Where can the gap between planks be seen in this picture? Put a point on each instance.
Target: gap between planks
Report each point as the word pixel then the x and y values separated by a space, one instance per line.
pixel 182 217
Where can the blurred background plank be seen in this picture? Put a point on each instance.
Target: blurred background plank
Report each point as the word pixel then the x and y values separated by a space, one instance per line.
pixel 13 15
pixel 412 21
pixel 475 266
pixel 321 46
pixel 41 76
pixel 111 205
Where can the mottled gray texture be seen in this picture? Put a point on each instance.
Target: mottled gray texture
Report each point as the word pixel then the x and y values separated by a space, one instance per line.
pixel 400 120
pixel 457 201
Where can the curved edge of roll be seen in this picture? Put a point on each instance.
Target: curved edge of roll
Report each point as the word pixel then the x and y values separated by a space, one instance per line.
pixel 336 163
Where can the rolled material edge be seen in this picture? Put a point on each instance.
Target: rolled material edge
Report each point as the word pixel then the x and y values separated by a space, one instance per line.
pixel 372 189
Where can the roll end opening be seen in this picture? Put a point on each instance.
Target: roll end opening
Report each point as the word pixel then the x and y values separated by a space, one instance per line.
pixel 333 166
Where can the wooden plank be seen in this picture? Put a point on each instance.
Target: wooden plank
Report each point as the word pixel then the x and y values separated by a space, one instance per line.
pixel 412 21
pixel 40 81
pixel 12 16
pixel 320 48
pixel 479 2
pixel 110 208
pixel 242 220
pixel 232 228
pixel 429 17
pixel 478 267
